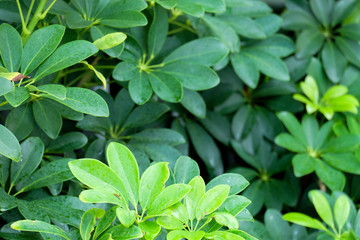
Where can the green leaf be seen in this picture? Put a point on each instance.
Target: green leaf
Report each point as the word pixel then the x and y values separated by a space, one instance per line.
pixel 105 221
pixel 170 223
pixel 100 196
pixel 245 68
pixel 32 150
pixel 192 75
pixel 350 31
pixel 244 26
pixel 226 219
pixel 17 96
pixel 223 235
pixel 297 20
pixel 205 147
pixel 289 142
pixel 40 45
pixel 126 217
pixel 309 42
pixel 140 89
pixel 234 204
pixel 39 226
pixel 151 229
pixel 236 182
pixel 185 170
pixel 66 56
pixel 121 232
pixel 166 86
pixel 9 145
pixel 7 202
pixel 47 118
pixel 223 31
pixel 211 200
pixel 215 6
pixel 55 90
pixel 52 173
pixel 98 74
pixel 20 121
pixel 342 9
pixel 10 47
pixel 85 101
pixel 304 220
pixel 180 234
pixel 168 197
pixel 194 103
pixel 350 49
pixel 277 45
pixel 270 23
pixel 124 164
pixel 322 10
pixel 152 182
pixel 145 114
pixel 124 19
pixel 98 32
pixel 322 207
pixel 168 4
pixel 88 222
pixel 334 62
pixel 207 51
pixel 98 176
pixel 197 191
pixel 190 7
pixel 341 211
pixel 218 126
pixel 158 31
pixel 110 40
pixel 331 177
pixel 4 170
pixel 303 164
pixel 5 86
pixel 346 162
pixel 68 142
pixel 159 135
pixel 269 64
pixel 293 126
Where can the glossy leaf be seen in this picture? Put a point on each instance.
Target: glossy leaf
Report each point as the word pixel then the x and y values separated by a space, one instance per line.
pixel 9 145
pixel 185 170
pixel 88 222
pixel 17 96
pixel 341 211
pixel 20 121
pixel 40 45
pixel 5 86
pixel 322 207
pixel 166 86
pixel 10 47
pixel 236 182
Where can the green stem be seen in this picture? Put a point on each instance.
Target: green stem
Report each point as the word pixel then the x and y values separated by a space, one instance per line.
pixel 184 26
pixel 48 9
pixel 3 103
pixel 34 21
pixel 29 12
pixel 21 15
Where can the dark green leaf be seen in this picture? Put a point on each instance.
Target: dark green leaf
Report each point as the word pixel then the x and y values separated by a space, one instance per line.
pixel 334 62
pixel 277 45
pixel 309 42
pixel 4 170
pixel 17 96
pixel 10 47
pixel 350 48
pixel 342 9
pixel 185 170
pixel 140 88
pixel 32 150
pixel 124 19
pixel 66 56
pixel 68 142
pixel 84 101
pixel 5 86
pixel 166 86
pixel 9 145
pixel 244 26
pixel 158 31
pixel 351 31
pixel 332 178
pixel 52 173
pixel 236 182
pixel 47 118
pixel 322 10
pixel 192 75
pixel 159 135
pixel 205 147
pixel 39 46
pixel 245 68
pixel 55 90
pixel 303 164
pixel 207 51
pixel 194 103
pixel 20 121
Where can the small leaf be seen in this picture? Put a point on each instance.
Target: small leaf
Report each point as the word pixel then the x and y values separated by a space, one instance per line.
pixel 151 229
pixel 105 221
pixel 304 220
pixel 40 45
pixel 126 217
pixel 56 90
pixel 98 74
pixel 66 56
pixel 341 211
pixel 110 40
pixel 121 232
pixel 322 207
pixel 185 169
pixel 17 96
pixel 88 222
pixel 236 182
pixel 211 200
pixel 152 182
pixel 5 86
pixel 225 219
pixel 10 47
pixel 166 86
pixel 39 226
pixel 9 145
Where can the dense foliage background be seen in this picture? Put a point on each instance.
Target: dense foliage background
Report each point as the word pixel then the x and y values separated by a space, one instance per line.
pixel 269 92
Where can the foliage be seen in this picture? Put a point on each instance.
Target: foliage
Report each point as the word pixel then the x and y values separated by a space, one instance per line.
pixel 237 84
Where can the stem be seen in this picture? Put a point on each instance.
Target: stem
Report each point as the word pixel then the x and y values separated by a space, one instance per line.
pixel 3 103
pixel 48 9
pixel 29 12
pixel 21 15
pixel 35 19
pixel 184 26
